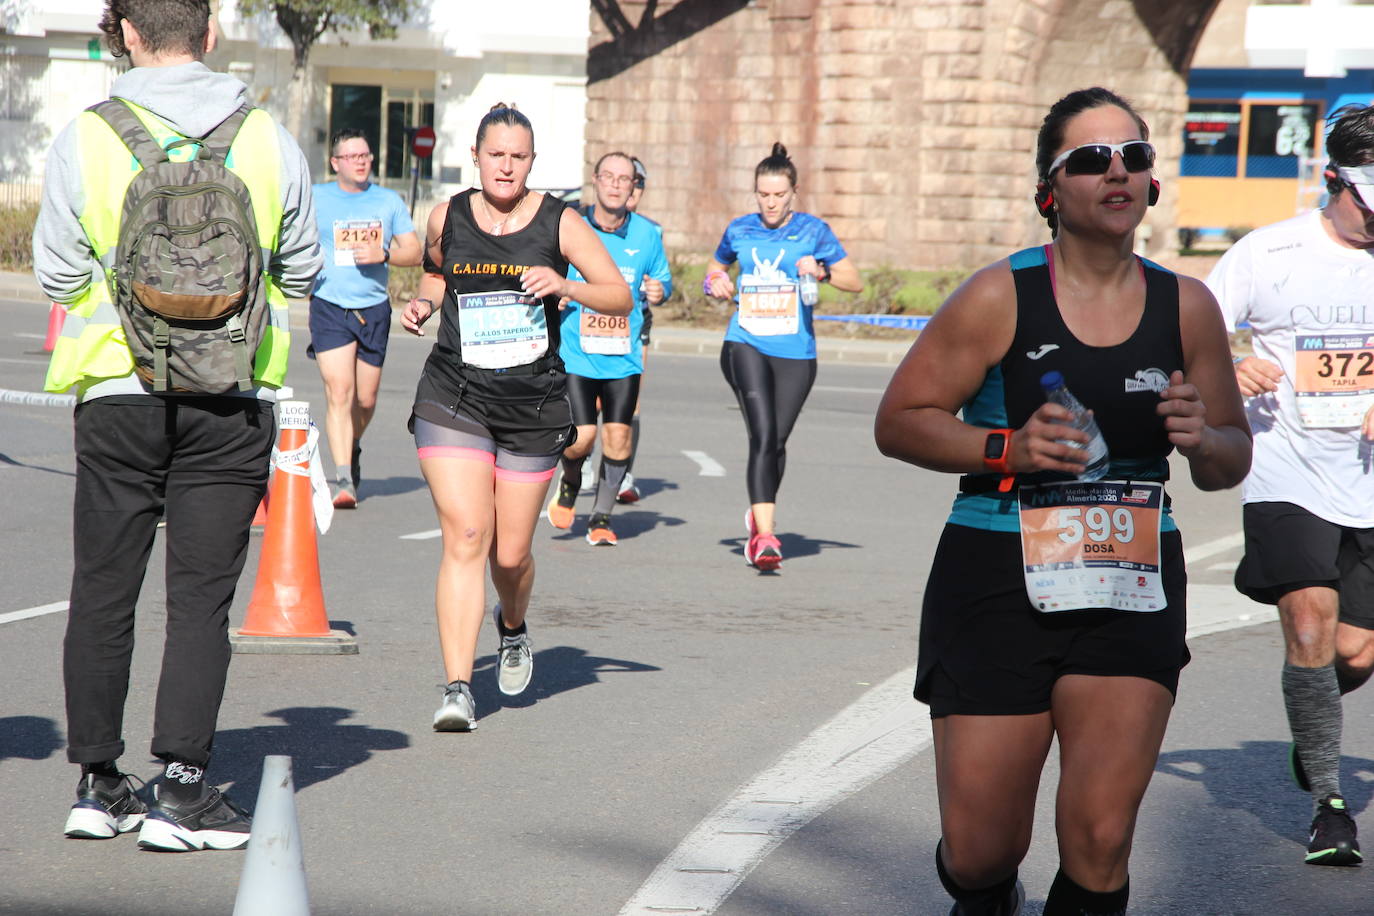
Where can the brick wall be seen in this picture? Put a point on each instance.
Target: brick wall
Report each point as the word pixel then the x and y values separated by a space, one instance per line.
pixel 912 123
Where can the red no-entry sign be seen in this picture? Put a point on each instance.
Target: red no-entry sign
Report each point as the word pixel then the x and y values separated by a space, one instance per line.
pixel 422 143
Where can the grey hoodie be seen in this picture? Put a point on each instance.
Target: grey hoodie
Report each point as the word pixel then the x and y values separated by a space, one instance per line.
pixel 191 99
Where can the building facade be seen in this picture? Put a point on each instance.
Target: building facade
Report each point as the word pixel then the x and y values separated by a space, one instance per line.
pixel 446 67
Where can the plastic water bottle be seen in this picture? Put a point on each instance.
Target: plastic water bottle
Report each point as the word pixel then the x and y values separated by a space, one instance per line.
pixel 810 290
pixel 1056 392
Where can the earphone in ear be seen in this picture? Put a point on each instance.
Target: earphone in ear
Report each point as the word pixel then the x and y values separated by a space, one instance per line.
pixel 1153 197
pixel 1044 199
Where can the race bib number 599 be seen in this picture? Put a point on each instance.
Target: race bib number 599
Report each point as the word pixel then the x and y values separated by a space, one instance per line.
pixel 1092 545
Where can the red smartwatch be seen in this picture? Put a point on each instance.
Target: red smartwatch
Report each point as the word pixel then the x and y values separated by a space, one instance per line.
pixel 997 458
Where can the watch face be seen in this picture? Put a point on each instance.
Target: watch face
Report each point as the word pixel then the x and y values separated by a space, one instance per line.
pixel 995 446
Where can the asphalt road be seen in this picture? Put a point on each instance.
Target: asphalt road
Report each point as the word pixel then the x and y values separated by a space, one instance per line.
pixel 669 677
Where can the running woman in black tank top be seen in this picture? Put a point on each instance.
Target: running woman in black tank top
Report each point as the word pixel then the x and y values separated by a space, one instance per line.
pixel 1015 652
pixel 491 413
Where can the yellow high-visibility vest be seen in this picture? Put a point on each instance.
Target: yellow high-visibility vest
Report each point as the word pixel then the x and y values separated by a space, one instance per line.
pixel 92 346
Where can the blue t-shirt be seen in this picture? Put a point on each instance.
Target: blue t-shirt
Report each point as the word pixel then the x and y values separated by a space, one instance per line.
pixel 355 219
pixel 637 249
pixel 775 321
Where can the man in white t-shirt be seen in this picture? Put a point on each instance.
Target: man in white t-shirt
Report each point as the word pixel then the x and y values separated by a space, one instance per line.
pixel 1306 287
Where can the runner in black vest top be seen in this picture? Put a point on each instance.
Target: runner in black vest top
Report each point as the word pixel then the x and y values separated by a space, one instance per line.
pixel 491 414
pixel 1055 607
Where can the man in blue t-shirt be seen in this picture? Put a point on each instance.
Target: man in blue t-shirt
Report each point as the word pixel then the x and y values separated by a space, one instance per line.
pixel 363 228
pixel 603 354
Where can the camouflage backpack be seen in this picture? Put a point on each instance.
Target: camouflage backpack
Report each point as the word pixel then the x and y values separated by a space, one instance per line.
pixel 187 275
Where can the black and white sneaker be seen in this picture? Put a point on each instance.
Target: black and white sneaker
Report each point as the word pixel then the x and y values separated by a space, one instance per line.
pixel 211 822
pixel 101 813
pixel 514 658
pixel 457 712
pixel 1333 835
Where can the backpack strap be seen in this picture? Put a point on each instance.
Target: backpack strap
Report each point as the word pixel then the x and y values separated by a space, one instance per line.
pixel 131 130
pixel 218 141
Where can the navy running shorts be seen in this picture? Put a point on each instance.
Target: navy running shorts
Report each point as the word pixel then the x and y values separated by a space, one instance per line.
pixel 333 326
pixel 985 650
pixel 1288 548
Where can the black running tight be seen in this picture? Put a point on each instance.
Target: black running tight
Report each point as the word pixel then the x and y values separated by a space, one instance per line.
pixel 771 392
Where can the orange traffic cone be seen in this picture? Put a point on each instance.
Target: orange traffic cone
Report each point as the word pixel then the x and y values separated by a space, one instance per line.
pixel 286 614
pixel 57 316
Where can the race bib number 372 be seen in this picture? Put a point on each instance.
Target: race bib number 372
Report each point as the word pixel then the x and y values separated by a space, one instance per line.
pixel 1092 545
pixel 1334 386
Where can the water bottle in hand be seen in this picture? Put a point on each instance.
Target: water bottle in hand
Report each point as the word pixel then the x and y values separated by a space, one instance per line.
pixel 1056 392
pixel 810 290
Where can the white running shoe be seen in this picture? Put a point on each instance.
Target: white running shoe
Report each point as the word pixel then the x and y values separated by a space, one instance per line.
pixel 457 713
pixel 514 659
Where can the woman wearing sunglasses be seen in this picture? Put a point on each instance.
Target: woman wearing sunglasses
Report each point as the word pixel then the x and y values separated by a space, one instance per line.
pixel 1055 607
pixel 769 354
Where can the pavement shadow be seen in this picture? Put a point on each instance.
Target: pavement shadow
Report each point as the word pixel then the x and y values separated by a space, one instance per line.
pixel 319 746
pixel 649 486
pixel 12 462
pixel 626 524
pixel 28 738
pixel 793 545
pixel 1255 778
pixel 559 669
pixel 388 486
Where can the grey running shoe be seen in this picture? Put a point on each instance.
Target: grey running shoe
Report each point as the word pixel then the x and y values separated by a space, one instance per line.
pixel 514 660
pixel 211 822
pixel 345 494
pixel 457 713
pixel 100 814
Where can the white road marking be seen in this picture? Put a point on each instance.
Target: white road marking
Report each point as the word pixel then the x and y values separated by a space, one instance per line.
pixel 873 736
pixel 1200 552
pixel 709 466
pixel 28 362
pixel 1224 566
pixel 28 336
pixel 56 607
pixel 422 535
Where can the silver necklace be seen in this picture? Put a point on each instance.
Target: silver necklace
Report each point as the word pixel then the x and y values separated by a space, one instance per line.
pixel 497 228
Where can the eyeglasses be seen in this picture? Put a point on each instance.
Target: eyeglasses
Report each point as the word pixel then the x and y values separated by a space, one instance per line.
pixel 1096 158
pixel 355 157
pixel 619 181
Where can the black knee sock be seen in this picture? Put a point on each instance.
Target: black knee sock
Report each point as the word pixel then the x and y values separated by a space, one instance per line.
pixel 1068 898
pixel 985 901
pixel 1312 700
pixel 182 781
pixel 608 485
pixel 634 443
pixel 572 472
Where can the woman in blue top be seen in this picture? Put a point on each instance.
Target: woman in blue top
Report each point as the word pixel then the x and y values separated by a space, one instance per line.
pixel 769 356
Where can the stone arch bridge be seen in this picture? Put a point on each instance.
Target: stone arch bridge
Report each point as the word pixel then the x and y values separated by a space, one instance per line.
pixel 912 121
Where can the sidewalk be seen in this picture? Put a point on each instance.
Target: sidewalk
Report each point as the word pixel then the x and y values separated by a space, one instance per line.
pixel 17 287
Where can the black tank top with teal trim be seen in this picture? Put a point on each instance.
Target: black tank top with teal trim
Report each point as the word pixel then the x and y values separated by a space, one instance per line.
pixel 1120 383
pixel 478 262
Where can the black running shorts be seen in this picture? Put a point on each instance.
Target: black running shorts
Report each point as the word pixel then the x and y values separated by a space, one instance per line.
pixel 616 396
pixel 1288 548
pixel 986 651
pixel 522 413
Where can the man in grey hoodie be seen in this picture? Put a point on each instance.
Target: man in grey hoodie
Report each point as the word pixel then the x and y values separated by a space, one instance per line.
pixel 200 460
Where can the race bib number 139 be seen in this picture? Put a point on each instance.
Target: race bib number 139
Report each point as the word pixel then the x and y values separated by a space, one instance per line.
pixel 1092 545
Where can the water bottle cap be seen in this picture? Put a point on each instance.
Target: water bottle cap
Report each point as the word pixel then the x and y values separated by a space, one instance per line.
pixel 1051 380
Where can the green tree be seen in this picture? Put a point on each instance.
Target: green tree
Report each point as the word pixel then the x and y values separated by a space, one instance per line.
pixel 306 21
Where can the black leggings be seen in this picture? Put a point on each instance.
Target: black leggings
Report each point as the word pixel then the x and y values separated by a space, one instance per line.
pixel 771 391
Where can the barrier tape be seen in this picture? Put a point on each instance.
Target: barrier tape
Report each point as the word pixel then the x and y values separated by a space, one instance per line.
pixel 309 455
pixel 36 398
